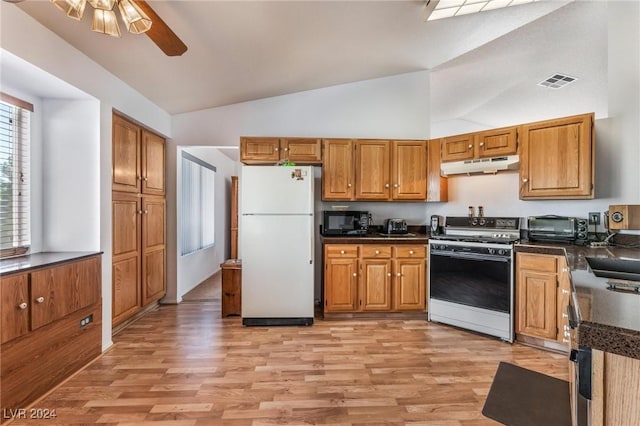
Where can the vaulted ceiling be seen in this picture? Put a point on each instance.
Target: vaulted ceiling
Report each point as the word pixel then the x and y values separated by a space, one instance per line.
pixel 245 50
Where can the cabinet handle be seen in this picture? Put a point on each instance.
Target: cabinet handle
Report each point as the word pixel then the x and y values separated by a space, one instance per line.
pixel 140 178
pixel 398 274
pixel 146 212
pixel 341 251
pixel 395 185
pixel 40 299
pixel 388 274
pixel 386 185
pixel 565 291
pixel 565 316
pixel 140 212
pixel 23 305
pixel 377 251
pixel 410 251
pixel 286 149
pixel 277 149
pixel 470 146
pixel 525 180
pixel 481 143
pixel 348 185
pixel 355 274
pixel 565 341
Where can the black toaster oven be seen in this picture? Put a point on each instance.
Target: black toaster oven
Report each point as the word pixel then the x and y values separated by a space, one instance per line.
pixel 557 228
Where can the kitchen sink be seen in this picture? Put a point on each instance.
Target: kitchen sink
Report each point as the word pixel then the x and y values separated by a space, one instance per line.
pixel 621 269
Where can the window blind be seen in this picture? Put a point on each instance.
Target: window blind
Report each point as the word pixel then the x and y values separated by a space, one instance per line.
pixel 198 194
pixel 15 217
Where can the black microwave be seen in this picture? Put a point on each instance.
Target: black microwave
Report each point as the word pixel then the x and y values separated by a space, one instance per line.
pixel 345 222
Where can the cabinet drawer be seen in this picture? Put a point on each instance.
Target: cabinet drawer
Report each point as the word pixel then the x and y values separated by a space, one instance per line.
pixel 339 250
pixel 537 262
pixel 410 251
pixel 376 251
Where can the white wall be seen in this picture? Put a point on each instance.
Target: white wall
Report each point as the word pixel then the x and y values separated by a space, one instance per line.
pixel 47 52
pixel 71 201
pixel 192 269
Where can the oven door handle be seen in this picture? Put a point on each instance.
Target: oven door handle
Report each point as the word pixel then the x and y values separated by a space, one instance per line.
pixel 471 256
pixel 573 321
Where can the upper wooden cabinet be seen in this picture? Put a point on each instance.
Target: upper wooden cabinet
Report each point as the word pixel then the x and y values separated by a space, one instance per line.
pixel 338 177
pixel 126 156
pixel 409 170
pixel 138 159
pixel 488 143
pixel 557 159
pixel 257 150
pixel 373 169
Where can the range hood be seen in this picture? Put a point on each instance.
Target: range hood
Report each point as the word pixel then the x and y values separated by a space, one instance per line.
pixel 480 165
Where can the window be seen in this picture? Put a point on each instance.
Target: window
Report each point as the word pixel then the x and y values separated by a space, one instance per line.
pixel 198 191
pixel 15 217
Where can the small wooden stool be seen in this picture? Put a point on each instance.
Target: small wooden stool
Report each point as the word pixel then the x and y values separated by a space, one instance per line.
pixel 231 284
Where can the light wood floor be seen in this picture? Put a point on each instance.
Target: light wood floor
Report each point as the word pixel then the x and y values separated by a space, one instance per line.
pixel 183 365
pixel 208 290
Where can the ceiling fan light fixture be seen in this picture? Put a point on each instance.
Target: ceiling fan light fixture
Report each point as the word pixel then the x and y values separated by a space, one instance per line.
pixel 102 4
pixel 104 21
pixel 72 8
pixel 136 20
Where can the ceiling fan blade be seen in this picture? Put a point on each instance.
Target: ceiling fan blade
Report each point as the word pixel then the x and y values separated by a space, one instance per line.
pixel 161 34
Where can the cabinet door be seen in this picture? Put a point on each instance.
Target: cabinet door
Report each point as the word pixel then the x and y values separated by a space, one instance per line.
pixel 153 249
pixel 302 150
pixel 259 150
pixel 409 170
pixel 537 304
pixel 496 142
pixel 340 284
pixel 376 285
pixel 153 163
pixel 14 295
pixel 127 220
pixel 564 289
pixel 372 169
pixel 556 159
pixel 437 185
pixel 54 293
pixel 409 285
pixel 459 147
pixel 126 173
pixel 338 181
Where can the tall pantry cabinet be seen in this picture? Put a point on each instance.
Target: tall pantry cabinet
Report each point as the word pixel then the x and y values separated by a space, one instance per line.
pixel 138 219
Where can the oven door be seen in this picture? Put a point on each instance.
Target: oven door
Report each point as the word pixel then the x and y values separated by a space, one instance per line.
pixel 472 289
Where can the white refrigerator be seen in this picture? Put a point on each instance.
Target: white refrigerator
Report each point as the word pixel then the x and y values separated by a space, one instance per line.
pixel 276 245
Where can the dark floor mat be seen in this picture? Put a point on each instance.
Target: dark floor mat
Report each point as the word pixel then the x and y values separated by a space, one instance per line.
pixel 521 397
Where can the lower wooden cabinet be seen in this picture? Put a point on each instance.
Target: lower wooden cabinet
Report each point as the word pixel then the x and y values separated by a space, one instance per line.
pixel 51 326
pixel 374 278
pixel 542 295
pixel 615 386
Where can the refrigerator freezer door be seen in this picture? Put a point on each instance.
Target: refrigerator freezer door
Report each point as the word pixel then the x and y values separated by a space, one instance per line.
pixel 276 190
pixel 277 269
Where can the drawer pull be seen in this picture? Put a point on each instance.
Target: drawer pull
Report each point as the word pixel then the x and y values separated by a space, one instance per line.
pixel 398 274
pixel 355 274
pixel 377 251
pixel 341 251
pixel 388 274
pixel 386 185
pixel 565 291
pixel 470 146
pixel 411 251
pixel 23 305
pixel 40 299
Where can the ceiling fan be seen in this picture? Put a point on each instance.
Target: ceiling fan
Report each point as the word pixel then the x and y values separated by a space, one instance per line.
pixel 137 15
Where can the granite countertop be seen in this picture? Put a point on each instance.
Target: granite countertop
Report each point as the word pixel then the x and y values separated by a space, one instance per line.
pixel 417 235
pixel 26 263
pixel 608 320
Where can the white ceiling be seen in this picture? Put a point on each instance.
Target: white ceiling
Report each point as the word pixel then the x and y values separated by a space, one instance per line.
pixel 245 50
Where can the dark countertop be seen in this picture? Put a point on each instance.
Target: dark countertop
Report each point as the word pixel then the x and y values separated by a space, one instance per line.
pixel 608 320
pixel 418 235
pixel 38 260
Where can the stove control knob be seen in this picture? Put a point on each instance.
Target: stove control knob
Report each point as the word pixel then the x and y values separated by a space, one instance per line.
pixel 502 252
pixel 482 222
pixel 474 221
pixel 491 250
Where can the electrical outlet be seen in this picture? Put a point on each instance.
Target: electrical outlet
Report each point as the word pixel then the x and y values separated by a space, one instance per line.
pixel 86 320
pixel 594 218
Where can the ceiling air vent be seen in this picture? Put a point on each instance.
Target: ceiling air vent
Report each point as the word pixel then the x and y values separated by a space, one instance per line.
pixel 557 81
